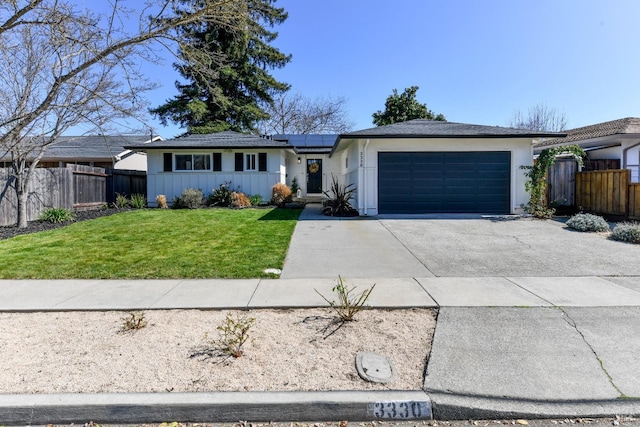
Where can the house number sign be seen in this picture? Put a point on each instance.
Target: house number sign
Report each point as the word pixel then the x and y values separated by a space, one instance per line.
pixel 400 409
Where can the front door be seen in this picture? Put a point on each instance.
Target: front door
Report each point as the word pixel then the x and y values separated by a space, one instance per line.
pixel 314 176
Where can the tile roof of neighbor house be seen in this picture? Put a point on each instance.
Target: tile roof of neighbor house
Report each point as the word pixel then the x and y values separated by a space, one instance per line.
pixel 421 128
pixel 92 146
pixel 628 125
pixel 226 139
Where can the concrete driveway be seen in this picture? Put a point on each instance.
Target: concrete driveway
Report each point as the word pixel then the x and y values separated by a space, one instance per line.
pixel 465 247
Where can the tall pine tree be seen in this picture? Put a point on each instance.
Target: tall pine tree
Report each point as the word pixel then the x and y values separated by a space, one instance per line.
pixel 228 94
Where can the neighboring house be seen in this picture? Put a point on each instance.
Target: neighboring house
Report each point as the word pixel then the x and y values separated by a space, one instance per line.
pixel 423 166
pixel 418 166
pixel 103 151
pixel 609 145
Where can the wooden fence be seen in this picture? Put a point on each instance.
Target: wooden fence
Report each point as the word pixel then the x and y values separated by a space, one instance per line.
pixel 608 192
pixel 561 183
pixel 74 187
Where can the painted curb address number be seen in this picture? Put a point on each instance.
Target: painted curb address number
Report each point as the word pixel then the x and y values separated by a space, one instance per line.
pixel 400 409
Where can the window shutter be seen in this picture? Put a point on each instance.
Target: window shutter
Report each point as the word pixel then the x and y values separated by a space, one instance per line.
pixel 262 162
pixel 168 162
pixel 217 162
pixel 239 162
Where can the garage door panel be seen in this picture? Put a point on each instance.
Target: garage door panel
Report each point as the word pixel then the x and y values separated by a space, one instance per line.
pixel 439 182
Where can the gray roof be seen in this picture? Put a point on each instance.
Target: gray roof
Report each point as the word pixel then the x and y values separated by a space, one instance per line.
pixel 421 128
pixel 628 125
pixel 226 139
pixel 91 146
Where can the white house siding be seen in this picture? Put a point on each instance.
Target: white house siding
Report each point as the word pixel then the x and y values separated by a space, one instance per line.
pixel 172 184
pixel 135 161
pixel 367 162
pixel 330 167
pixel 631 150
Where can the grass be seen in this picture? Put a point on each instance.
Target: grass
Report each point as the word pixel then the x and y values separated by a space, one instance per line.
pixel 155 244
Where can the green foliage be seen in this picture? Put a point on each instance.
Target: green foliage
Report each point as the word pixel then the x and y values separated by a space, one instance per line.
pixel 121 201
pixel 57 215
pixel 537 178
pixel 138 201
pixel 294 185
pixel 232 92
pixel 348 305
pixel 339 203
pixel 220 196
pixel 155 244
pixel 233 333
pixel 280 194
pixel 403 107
pixel 191 198
pixel 627 232
pixel 136 320
pixel 588 222
pixel 255 200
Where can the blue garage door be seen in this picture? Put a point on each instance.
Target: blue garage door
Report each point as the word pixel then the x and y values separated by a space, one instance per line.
pixel 444 182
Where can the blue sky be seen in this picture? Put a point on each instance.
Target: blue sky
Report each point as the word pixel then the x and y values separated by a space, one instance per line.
pixel 474 61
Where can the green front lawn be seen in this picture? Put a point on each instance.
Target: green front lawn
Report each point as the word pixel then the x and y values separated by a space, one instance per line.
pixel 155 243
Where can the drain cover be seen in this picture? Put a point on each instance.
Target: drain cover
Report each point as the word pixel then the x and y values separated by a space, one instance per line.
pixel 375 367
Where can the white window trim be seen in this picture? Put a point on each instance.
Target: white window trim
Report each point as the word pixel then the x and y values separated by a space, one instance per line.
pixel 175 162
pixel 255 162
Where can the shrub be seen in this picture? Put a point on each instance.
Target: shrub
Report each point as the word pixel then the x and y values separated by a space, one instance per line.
pixel 627 232
pixel 240 200
pixel 121 201
pixel 280 194
pixel 138 201
pixel 255 200
pixel 190 198
pixel 588 222
pixel 294 186
pixel 161 199
pixel 135 321
pixel 220 196
pixel 348 305
pixel 232 335
pixel 339 203
pixel 57 215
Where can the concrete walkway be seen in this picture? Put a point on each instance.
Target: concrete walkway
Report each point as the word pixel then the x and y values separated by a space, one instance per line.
pixel 504 347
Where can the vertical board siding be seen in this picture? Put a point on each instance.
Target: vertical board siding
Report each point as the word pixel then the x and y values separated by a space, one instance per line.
pixel 604 192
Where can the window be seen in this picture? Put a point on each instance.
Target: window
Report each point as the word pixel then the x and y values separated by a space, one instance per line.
pixel 193 162
pixel 250 162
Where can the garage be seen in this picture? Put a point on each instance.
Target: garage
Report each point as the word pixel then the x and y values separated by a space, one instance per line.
pixel 444 182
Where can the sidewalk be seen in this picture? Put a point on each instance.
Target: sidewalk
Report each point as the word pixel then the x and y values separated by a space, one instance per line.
pixel 504 347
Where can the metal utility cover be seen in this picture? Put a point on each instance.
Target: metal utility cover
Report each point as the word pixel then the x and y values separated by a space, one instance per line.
pixel 375 367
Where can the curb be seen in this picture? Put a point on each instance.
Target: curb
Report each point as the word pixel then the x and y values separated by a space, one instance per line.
pixel 446 406
pixel 118 408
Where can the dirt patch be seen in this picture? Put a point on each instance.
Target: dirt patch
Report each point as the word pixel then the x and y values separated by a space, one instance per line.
pixel 288 350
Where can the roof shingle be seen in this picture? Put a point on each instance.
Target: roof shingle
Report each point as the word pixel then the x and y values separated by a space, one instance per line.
pixel 226 139
pixel 628 125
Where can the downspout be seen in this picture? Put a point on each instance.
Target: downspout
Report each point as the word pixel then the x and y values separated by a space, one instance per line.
pixel 364 173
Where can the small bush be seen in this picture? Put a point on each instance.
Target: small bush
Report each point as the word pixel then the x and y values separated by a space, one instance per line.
pixel 135 321
pixel 280 194
pixel 161 200
pixel 339 203
pixel 57 215
pixel 220 196
pixel 138 201
pixel 588 222
pixel 240 200
pixel 294 186
pixel 190 198
pixel 255 200
pixel 627 232
pixel 233 333
pixel 121 201
pixel 348 305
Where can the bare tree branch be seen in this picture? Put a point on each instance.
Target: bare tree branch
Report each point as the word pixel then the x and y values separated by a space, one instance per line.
pixel 540 118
